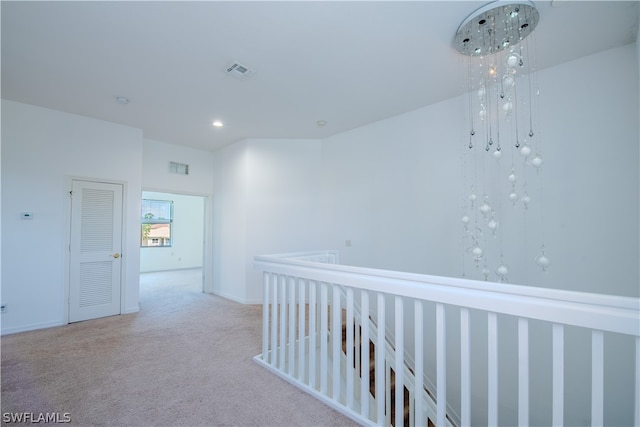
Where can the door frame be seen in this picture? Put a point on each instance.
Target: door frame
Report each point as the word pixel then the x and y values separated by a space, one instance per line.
pixel 207 253
pixel 67 241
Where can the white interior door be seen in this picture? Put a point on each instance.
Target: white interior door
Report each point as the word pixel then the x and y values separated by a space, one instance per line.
pixel 95 250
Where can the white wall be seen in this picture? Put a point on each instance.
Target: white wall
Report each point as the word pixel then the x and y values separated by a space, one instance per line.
pixel 156 156
pixel 266 202
pixel 41 150
pixel 229 222
pixel 394 188
pixel 187 230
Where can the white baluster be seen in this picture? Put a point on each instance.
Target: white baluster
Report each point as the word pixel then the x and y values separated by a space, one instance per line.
pixel 350 346
pixel 313 338
pixel 301 328
pixel 336 335
pixel 418 319
pixel 283 322
pixel 274 322
pixel 324 324
pixel 265 316
pixel 465 368
pixel 523 372
pixel 380 374
pixel 597 378
pixel 441 366
pixel 492 371
pixel 557 415
pixel 292 326
pixel 364 355
pixel 637 394
pixel 399 361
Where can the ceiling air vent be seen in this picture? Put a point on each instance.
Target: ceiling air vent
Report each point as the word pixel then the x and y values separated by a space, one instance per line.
pixel 239 71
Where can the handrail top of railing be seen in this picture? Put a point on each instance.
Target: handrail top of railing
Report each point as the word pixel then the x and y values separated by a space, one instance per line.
pixel 524 290
pixel 291 261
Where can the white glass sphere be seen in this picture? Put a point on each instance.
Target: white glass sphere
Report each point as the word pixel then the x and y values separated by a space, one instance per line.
pixel 508 80
pixel 543 261
pixel 513 59
pixel 477 252
pixel 526 199
pixel 485 208
pixel 481 92
pixel 513 196
pixel 492 224
pixel 507 106
pixel 512 177
pixel 497 154
pixel 472 197
pixel 525 150
pixel 502 270
pixel 465 219
pixel 536 161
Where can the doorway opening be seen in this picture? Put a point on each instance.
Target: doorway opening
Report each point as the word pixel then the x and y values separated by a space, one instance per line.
pixel 172 243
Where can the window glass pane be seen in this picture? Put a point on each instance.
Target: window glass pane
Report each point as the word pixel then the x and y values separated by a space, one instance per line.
pixel 156 210
pixel 155 235
pixel 156 219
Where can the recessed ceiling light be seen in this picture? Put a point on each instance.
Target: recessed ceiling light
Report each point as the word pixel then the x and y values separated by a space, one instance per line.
pixel 122 100
pixel 217 123
pixel 321 123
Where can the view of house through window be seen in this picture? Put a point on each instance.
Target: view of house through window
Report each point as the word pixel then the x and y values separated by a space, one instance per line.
pixel 156 217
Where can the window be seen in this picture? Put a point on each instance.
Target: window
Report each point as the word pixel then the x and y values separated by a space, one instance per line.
pixel 156 217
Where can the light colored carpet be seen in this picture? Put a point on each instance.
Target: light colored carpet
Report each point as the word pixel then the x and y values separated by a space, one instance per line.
pixel 184 359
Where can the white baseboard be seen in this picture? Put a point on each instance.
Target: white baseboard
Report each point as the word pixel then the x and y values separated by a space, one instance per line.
pixel 130 310
pixel 31 327
pixel 234 298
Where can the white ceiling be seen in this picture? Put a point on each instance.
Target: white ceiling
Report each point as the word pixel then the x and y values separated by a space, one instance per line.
pixel 348 63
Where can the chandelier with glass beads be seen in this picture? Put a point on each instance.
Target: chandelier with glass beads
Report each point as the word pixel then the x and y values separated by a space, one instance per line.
pixel 502 148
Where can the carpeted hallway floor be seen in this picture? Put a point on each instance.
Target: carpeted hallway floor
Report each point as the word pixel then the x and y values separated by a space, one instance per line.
pixel 184 359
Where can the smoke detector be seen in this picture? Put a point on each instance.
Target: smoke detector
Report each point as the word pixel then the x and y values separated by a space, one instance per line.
pixel 239 71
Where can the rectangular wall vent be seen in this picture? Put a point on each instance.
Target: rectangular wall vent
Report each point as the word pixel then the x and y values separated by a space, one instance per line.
pixel 179 168
pixel 239 71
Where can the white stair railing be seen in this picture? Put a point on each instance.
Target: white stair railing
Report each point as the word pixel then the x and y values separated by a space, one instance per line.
pixel 303 304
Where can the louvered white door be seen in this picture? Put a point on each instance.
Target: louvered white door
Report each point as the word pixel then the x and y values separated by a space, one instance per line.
pixel 95 251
